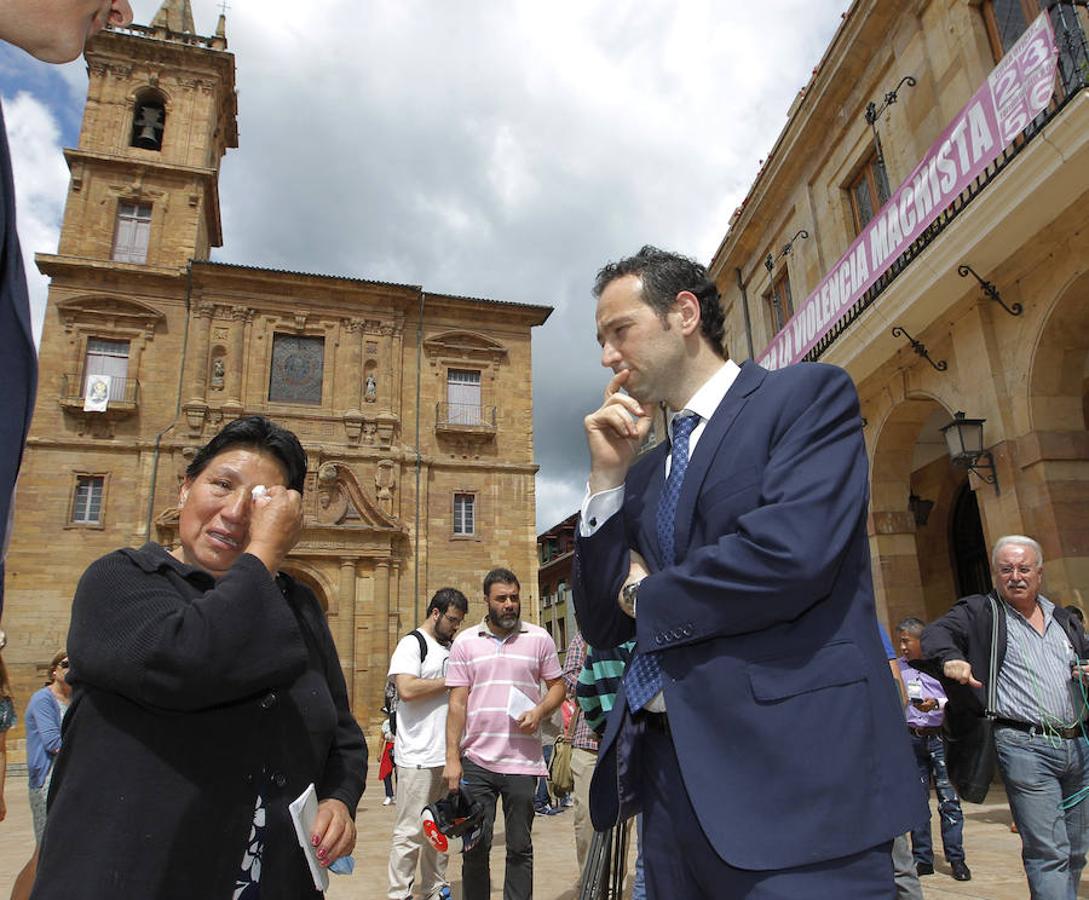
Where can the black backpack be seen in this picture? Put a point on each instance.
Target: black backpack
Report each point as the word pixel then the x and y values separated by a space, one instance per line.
pixel 392 700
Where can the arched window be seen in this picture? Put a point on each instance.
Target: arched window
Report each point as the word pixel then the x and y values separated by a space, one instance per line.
pixel 148 120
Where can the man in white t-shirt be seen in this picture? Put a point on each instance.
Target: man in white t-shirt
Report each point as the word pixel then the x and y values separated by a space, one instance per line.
pixel 418 669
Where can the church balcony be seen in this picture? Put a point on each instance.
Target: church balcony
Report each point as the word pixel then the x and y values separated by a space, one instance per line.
pixel 121 400
pixel 468 420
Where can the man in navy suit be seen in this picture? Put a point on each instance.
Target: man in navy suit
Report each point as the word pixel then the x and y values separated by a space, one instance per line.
pixel 760 735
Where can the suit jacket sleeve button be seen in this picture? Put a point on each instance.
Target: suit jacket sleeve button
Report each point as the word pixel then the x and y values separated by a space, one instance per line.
pixel 659 639
pixel 279 779
pixel 269 700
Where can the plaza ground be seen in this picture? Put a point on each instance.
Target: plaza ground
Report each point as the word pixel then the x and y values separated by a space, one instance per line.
pixel 994 853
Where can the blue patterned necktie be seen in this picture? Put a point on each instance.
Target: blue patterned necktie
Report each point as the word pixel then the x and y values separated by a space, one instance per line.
pixel 644 677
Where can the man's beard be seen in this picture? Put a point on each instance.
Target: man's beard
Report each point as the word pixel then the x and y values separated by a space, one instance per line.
pixel 506 622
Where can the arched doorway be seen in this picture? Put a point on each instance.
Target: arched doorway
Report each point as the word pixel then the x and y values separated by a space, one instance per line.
pixel 967 545
pixel 1054 457
pixel 919 502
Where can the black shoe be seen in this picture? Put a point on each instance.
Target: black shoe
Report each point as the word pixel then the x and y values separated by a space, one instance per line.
pixel 922 868
pixel 961 872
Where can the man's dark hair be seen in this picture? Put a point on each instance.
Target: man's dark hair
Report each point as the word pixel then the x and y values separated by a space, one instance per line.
pixel 912 625
pixel 664 276
pixel 260 434
pixel 445 598
pixel 499 575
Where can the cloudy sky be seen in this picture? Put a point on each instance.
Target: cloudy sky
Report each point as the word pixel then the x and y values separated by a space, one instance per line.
pixel 498 149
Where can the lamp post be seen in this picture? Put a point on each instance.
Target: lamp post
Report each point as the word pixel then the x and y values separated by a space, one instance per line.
pixel 964 441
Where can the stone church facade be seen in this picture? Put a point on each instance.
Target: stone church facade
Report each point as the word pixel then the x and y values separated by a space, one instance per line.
pixel 414 407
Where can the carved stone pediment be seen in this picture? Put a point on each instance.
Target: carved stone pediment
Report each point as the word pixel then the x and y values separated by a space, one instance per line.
pixel 342 501
pixel 124 313
pixel 465 345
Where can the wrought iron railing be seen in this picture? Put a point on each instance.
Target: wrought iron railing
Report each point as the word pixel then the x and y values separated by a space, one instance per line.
pixel 122 390
pixel 465 415
pixel 1069 20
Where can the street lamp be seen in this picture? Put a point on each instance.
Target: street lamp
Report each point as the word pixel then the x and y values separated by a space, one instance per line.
pixel 964 441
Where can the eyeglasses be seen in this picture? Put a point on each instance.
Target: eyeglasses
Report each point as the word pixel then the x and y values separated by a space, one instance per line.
pixel 449 618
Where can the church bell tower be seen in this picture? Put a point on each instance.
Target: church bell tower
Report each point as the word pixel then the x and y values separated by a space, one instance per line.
pixel 161 112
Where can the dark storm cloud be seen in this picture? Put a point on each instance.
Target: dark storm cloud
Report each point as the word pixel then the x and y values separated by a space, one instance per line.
pixel 504 150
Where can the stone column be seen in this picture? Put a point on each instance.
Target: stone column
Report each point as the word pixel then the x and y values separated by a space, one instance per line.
pixel 898 587
pixel 240 315
pixel 345 625
pixel 196 407
pixel 381 648
pixel 361 661
pixel 198 355
pixel 353 396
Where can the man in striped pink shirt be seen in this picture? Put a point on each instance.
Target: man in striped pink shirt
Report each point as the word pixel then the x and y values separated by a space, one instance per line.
pixel 493 741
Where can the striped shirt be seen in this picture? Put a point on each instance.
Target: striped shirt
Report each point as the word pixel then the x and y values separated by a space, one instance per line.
pixel 1035 683
pixel 492 668
pixel 599 681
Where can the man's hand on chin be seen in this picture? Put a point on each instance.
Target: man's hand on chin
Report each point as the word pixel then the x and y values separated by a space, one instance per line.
pixel 614 433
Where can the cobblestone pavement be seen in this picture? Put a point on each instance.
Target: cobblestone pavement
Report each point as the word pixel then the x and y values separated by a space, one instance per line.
pixel 994 854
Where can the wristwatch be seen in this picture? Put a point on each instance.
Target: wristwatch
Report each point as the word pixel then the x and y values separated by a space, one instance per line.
pixel 630 593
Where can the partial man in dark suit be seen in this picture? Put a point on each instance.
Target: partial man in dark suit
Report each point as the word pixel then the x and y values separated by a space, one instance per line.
pixel 53 32
pixel 757 727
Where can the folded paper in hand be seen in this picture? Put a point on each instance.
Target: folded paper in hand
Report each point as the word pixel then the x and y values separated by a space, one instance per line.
pixel 518 704
pixel 304 809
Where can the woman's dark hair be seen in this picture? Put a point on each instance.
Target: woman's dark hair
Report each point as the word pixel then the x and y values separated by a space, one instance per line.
pixel 260 434
pixel 664 276
pixel 445 598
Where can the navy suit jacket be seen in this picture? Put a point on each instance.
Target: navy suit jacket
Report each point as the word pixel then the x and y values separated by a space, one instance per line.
pixel 785 718
pixel 18 358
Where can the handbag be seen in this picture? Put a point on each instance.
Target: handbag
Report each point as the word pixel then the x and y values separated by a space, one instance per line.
pixel 8 718
pixel 559 767
pixel 970 755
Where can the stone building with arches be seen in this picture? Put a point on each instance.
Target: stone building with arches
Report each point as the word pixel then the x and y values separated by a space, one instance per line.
pixel 414 407
pixel 985 312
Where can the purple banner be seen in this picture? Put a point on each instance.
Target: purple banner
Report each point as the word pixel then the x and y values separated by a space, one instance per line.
pixel 1017 90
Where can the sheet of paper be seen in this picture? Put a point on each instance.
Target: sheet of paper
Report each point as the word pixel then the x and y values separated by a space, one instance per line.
pixel 518 704
pixel 304 809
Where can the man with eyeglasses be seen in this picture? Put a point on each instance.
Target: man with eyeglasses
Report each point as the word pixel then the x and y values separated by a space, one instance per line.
pixel 1040 708
pixel 418 669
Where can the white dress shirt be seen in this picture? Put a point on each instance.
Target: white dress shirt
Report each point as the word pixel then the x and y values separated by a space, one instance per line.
pixel 598 508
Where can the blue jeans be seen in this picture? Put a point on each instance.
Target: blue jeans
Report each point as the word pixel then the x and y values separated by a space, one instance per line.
pixel 930 760
pixel 541 800
pixel 639 887
pixel 1039 773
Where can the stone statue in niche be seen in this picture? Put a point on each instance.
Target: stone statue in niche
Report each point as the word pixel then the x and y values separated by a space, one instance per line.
pixel 370 430
pixel 385 484
pixel 332 501
pixel 219 372
pixel 370 392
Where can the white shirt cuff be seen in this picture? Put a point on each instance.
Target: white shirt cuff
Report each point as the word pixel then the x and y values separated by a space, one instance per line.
pixel 598 508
